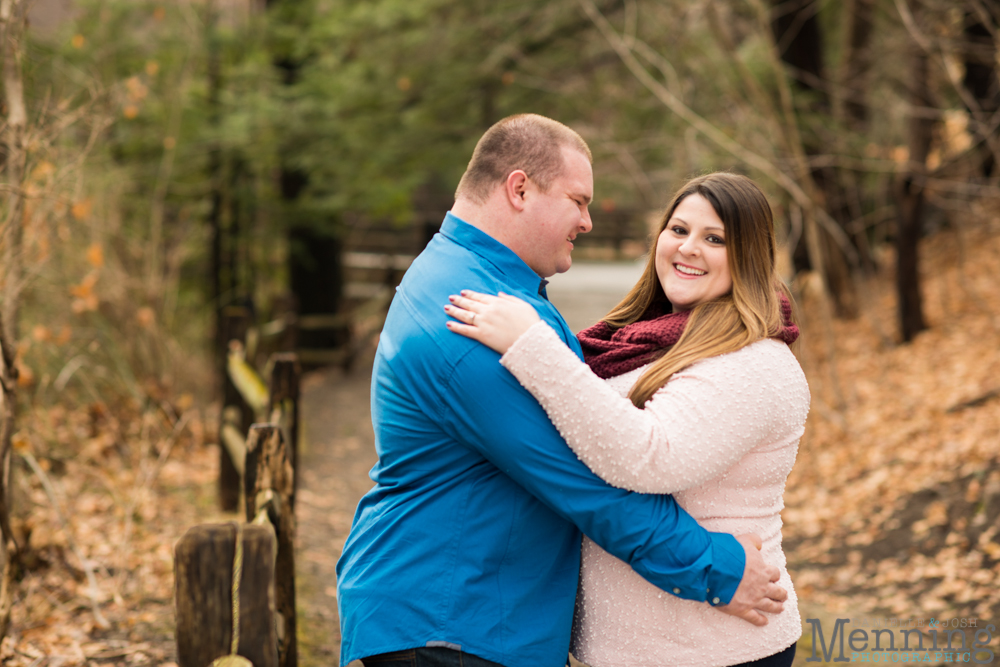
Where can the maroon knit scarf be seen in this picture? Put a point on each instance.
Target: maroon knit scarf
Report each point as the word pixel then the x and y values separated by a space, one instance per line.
pixel 611 352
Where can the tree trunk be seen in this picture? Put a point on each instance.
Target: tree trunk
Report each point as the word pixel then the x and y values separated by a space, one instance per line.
pixel 851 110
pixel 12 29
pixel 315 267
pixel 315 252
pixel 8 418
pixel 799 39
pixel 800 43
pixel 851 104
pixel 217 262
pixel 910 199
pixel 980 80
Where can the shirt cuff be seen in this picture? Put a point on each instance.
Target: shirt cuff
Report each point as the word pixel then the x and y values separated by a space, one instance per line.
pixel 728 562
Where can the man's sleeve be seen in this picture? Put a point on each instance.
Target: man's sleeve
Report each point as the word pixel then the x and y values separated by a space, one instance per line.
pixel 486 408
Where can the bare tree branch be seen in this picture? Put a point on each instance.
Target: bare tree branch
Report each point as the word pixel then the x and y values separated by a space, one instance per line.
pixel 714 134
pixel 984 128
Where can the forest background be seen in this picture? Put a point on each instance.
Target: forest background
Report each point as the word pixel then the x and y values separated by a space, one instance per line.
pixel 164 160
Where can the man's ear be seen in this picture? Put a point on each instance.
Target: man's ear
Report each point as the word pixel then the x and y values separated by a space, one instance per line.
pixel 516 188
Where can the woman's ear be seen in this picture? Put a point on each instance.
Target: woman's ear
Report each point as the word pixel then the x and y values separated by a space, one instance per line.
pixel 516 188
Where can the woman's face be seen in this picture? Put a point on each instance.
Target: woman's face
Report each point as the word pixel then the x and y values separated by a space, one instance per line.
pixel 691 261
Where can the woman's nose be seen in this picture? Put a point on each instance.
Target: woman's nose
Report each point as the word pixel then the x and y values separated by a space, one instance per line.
pixel 690 246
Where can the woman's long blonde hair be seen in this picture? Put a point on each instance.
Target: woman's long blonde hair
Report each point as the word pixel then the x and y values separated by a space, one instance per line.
pixel 750 312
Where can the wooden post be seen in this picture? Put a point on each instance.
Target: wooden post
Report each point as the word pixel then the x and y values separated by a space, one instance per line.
pixel 235 320
pixel 269 469
pixel 203 570
pixel 283 394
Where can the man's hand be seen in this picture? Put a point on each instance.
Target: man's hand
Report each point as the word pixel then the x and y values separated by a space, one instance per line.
pixel 757 591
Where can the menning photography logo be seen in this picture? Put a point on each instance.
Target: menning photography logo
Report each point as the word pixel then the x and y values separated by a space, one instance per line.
pixel 903 640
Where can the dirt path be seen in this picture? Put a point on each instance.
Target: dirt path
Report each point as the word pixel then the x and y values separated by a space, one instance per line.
pixel 338 451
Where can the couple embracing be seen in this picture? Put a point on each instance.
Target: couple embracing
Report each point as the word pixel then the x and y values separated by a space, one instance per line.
pixel 615 494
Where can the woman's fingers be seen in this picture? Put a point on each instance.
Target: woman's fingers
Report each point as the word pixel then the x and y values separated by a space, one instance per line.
pixel 463 315
pixel 494 321
pixel 470 303
pixel 465 329
pixel 463 308
pixel 478 296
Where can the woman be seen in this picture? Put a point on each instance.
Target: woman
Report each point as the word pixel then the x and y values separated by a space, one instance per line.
pixel 689 388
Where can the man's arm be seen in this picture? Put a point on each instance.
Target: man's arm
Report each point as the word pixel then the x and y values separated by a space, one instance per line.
pixel 487 409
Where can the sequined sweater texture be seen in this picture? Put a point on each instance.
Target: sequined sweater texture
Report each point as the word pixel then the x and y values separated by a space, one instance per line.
pixel 721 436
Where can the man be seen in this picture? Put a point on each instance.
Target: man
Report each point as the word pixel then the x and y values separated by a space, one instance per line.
pixel 467 551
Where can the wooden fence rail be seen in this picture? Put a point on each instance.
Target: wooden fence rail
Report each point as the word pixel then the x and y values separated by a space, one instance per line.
pixel 235 322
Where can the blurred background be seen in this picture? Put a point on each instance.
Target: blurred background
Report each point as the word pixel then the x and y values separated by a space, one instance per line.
pixel 169 164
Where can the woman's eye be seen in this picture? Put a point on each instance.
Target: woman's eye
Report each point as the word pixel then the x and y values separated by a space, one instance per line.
pixel 717 240
pixel 680 231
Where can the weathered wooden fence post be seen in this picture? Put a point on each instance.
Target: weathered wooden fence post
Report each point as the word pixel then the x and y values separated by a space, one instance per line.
pixel 283 396
pixel 203 570
pixel 234 322
pixel 269 486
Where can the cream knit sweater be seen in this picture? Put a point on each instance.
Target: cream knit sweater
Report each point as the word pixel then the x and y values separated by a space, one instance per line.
pixel 721 436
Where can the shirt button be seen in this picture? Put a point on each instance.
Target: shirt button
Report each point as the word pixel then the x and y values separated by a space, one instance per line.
pixel 677 591
pixel 715 600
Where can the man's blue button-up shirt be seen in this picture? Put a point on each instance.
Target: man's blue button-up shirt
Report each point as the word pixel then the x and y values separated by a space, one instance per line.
pixel 471 536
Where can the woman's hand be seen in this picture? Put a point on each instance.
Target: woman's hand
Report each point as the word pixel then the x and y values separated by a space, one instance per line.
pixel 495 321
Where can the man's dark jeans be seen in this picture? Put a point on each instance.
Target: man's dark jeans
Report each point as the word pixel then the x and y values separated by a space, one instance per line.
pixel 782 659
pixel 433 656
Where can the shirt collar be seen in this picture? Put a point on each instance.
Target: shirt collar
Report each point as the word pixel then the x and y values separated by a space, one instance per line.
pixel 496 253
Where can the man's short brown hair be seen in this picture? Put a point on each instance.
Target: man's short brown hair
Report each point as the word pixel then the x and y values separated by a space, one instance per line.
pixel 526 141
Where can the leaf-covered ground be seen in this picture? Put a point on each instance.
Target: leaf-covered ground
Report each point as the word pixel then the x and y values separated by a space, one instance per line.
pixel 102 496
pixel 892 509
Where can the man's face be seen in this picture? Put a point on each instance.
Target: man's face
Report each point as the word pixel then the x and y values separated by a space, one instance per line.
pixel 555 217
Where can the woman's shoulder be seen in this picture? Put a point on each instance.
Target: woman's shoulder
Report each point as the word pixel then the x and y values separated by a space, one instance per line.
pixel 767 351
pixel 765 363
pixel 764 377
pixel 770 350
